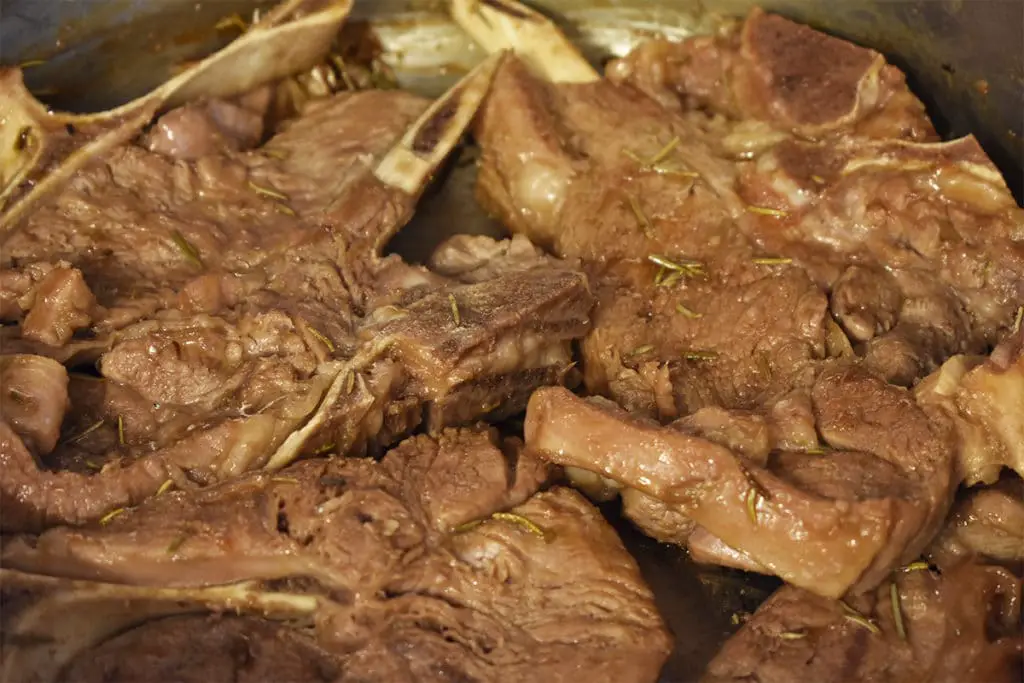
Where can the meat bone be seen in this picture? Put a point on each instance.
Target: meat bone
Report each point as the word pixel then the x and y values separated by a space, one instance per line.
pixel 47 622
pixel 42 149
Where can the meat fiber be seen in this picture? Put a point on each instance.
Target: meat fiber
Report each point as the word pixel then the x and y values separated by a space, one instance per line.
pixel 440 562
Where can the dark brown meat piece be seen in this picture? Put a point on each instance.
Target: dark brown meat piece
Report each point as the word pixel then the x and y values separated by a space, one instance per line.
pixel 963 625
pixel 197 649
pixel 829 522
pixel 411 571
pixel 783 73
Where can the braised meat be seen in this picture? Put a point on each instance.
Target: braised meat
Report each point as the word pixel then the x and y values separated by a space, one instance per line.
pixel 440 562
pixel 962 625
pixel 239 310
pixel 986 524
pixel 827 522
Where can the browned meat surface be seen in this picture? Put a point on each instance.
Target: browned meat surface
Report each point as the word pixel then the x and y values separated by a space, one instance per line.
pixel 243 313
pixel 829 522
pixel 787 75
pixel 441 562
pixel 962 625
pixel 198 649
pixel 987 523
pixel 913 247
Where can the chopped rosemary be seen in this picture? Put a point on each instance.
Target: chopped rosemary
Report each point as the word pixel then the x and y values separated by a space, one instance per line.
pixel 771 261
pixel 107 518
pixel 93 465
pixel 863 622
pixel 1018 320
pixel 818 179
pixel 897 611
pixel 28 64
pixel 700 355
pixel 164 487
pixel 285 209
pixel 267 192
pixel 521 521
pixel 856 617
pixel 792 635
pixel 685 266
pixel 326 448
pixel 753 497
pixel 693 315
pixel 120 430
pixel 455 310
pixel 468 526
pixel 320 337
pixel 641 350
pixel 350 382
pixel 660 277
pixel 641 219
pixel 284 480
pixel 673 277
pixel 86 432
pixel 664 152
pixel 505 517
pixel 232 21
pixel 916 566
pixel 186 248
pixel 814 450
pixel 176 544
pixel 278 154
pixel 766 211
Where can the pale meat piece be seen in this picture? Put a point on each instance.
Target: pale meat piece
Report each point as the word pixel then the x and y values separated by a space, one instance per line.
pixel 832 522
pixel 440 562
pixel 962 625
pixel 986 524
pixel 984 399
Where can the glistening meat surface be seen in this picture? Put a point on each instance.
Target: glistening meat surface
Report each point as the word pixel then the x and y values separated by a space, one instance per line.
pixel 439 562
pixel 267 324
pixel 829 523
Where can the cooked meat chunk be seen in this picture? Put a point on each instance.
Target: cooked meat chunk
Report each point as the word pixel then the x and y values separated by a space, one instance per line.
pixel 33 398
pixel 440 558
pixel 962 625
pixel 248 315
pixel 829 523
pixel 197 649
pixel 782 73
pixel 984 398
pixel 987 523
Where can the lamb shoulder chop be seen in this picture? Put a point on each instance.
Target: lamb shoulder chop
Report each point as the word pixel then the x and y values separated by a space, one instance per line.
pixel 440 562
pixel 236 326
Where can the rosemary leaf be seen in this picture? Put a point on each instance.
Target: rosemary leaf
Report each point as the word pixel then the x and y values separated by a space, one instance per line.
pixel 267 192
pixel 521 521
pixel 772 261
pixel 456 316
pixel 765 211
pixel 120 431
pixel 320 337
pixel 700 355
pixel 186 248
pixel 107 518
pixel 638 212
pixel 792 635
pixel 897 611
pixel 164 487
pixel 693 315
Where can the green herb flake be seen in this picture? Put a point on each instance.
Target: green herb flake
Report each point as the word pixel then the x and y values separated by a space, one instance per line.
pixel 897 611
pixel 320 337
pixel 687 312
pixel 186 248
pixel 110 516
pixel 456 316
pixel 766 211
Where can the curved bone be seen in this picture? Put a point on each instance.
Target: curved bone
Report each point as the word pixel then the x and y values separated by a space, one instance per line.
pixel 506 24
pixel 42 149
pixel 48 622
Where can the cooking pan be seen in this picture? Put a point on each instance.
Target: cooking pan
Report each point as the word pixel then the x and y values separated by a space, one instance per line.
pixel 962 57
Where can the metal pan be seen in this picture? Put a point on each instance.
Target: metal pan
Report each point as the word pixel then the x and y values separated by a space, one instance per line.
pixel 964 60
